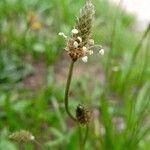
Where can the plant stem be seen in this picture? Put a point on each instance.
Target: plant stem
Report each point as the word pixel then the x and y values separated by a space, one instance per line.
pixel 82 140
pixel 20 146
pixel 139 45
pixel 67 90
pixel 146 58
pixel 82 143
pixel 80 137
pixel 133 58
pixel 86 135
pixel 112 43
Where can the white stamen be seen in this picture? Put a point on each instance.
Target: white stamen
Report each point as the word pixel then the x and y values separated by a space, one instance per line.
pixel 75 44
pixel 90 52
pixel 66 49
pixel 102 51
pixel 79 38
pixel 95 46
pixel 90 4
pixel 32 138
pixel 85 59
pixel 62 34
pixel 84 49
pixel 75 31
pixel 91 42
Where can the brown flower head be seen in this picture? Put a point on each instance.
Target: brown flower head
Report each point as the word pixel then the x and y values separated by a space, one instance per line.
pixel 83 115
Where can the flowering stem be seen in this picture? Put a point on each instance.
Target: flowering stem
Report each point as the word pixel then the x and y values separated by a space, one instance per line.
pixel 86 136
pixel 82 140
pixel 21 146
pixel 80 137
pixel 67 91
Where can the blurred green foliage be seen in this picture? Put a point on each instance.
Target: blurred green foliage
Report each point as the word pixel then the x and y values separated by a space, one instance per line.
pixel 121 100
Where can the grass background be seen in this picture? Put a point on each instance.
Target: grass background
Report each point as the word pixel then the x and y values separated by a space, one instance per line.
pixel 33 70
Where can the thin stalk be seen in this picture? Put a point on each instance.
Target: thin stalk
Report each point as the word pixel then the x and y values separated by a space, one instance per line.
pixel 146 53
pixel 139 45
pixel 21 146
pixel 113 34
pixel 86 135
pixel 83 140
pixel 136 50
pixel 146 57
pixel 80 137
pixel 37 145
pixel 67 91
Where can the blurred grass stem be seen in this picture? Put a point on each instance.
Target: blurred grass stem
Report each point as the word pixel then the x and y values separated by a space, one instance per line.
pixel 86 135
pixel 136 51
pixel 82 140
pixel 139 45
pixel 113 34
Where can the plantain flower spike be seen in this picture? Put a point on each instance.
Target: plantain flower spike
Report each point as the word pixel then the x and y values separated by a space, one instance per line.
pixel 83 115
pixel 22 136
pixel 81 33
pixel 80 44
